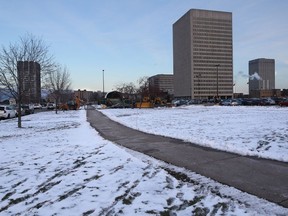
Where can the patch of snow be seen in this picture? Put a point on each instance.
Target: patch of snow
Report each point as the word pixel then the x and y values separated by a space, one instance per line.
pixel 255 131
pixel 59 165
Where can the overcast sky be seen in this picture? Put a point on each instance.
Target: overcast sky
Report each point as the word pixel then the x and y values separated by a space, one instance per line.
pixel 129 39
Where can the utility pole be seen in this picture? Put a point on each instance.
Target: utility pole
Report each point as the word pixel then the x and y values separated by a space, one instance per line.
pixel 103 82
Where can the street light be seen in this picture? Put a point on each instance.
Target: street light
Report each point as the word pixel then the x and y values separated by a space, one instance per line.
pixel 217 92
pixel 103 81
pixel 234 85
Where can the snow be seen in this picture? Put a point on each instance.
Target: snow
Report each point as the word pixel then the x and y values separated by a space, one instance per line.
pixel 255 131
pixel 58 165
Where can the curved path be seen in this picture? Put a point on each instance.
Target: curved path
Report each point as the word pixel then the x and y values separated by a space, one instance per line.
pixel 264 178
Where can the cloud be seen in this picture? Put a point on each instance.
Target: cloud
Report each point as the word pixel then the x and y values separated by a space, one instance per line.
pixel 255 76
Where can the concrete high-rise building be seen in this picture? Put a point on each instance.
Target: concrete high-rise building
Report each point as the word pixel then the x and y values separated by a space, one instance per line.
pixel 262 74
pixel 30 81
pixel 161 83
pixel 203 54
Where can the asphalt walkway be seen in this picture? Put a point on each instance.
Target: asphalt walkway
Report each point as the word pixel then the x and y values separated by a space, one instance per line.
pixel 264 178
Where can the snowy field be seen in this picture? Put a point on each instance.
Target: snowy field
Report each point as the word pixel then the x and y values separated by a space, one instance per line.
pixel 59 165
pixel 256 131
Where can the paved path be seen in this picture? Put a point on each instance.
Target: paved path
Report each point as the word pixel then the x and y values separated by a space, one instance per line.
pixel 264 178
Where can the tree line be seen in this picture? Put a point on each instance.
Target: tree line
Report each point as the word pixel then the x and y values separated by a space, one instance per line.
pixel 143 89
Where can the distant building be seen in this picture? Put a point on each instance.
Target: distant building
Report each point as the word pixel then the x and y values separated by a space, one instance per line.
pixel 30 81
pixel 203 54
pixel 262 74
pixel 161 83
pixel 260 93
pixel 83 95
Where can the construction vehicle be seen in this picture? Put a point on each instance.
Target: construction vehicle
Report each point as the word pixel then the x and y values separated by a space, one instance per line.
pixel 71 105
pixel 146 102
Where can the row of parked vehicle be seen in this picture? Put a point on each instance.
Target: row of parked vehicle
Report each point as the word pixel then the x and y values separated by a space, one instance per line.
pixel 11 111
pixel 255 102
pixel 235 102
pixel 48 106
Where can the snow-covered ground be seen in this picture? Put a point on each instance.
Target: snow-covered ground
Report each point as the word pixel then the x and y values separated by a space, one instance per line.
pixel 59 165
pixel 257 131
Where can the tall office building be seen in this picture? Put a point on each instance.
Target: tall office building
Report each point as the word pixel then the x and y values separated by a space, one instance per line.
pixel 203 54
pixel 262 74
pixel 30 81
pixel 161 83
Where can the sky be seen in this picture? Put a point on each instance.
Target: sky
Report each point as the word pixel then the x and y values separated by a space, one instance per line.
pixel 130 39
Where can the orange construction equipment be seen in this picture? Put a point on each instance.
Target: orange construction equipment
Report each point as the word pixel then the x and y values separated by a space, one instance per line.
pixel 77 101
pixel 145 103
pixel 71 105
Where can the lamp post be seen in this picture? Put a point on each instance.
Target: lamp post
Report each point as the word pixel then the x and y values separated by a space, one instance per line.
pixel 103 82
pixel 217 86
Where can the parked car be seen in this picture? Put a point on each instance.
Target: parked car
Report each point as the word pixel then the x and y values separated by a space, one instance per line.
pixel 278 100
pixel 44 106
pixel 50 106
pixel 247 101
pixel 256 101
pixel 236 102
pixel 226 102
pixel 28 108
pixel 37 106
pixel 284 103
pixel 7 112
pixel 180 102
pixel 22 112
pixel 267 101
pixel 271 101
pixel 264 102
pixel 15 107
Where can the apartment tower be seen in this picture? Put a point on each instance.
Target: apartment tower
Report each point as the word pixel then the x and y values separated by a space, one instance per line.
pixel 30 81
pixel 262 74
pixel 203 55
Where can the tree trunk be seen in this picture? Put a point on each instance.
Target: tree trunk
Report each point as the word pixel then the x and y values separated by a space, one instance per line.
pixel 19 115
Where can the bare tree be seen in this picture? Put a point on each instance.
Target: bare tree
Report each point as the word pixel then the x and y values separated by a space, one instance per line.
pixel 28 48
pixel 126 88
pixel 143 89
pixel 59 83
